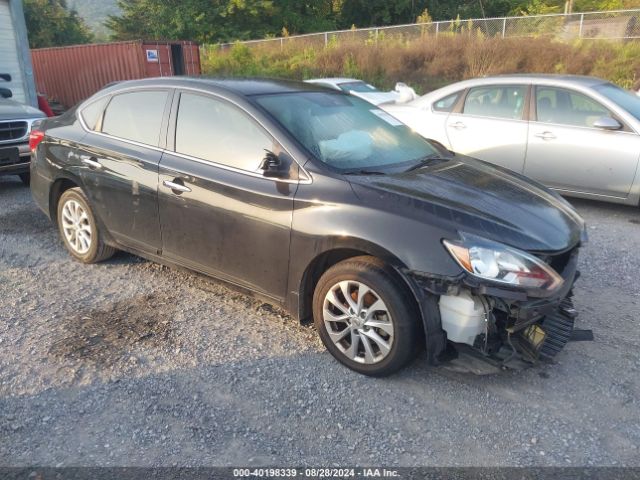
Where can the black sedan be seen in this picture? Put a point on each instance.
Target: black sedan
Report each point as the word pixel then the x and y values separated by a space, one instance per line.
pixel 320 202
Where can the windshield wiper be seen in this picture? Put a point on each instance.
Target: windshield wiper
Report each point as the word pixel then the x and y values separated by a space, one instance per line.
pixel 363 172
pixel 428 160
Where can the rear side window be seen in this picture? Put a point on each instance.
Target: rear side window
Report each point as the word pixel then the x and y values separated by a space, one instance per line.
pixel 136 116
pixel 92 112
pixel 447 103
pixel 215 130
pixel 566 107
pixel 498 101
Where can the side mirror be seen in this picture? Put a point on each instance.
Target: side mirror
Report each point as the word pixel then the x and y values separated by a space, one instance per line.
pixel 607 123
pixel 5 76
pixel 6 93
pixel 271 165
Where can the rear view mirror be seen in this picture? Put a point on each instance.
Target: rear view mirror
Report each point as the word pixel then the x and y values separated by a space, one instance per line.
pixel 5 76
pixel 607 123
pixel 6 93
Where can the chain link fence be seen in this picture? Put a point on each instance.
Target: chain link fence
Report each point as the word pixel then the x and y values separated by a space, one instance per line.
pixel 611 25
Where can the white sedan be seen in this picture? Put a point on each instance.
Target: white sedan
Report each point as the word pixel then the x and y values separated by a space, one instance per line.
pixel 366 91
pixel 577 135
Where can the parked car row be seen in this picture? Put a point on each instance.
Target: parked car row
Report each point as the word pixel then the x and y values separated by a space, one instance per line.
pixel 576 135
pixel 325 204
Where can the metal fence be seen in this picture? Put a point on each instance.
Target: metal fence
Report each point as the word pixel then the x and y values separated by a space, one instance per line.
pixel 611 25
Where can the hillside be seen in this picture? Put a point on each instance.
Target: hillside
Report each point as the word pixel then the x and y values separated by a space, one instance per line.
pixel 95 12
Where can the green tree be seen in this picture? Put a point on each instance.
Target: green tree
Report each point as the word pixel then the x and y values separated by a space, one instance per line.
pixel 200 20
pixel 50 23
pixel 306 16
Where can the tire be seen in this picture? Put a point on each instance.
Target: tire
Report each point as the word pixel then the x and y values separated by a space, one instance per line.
pixel 397 324
pixel 79 229
pixel 26 178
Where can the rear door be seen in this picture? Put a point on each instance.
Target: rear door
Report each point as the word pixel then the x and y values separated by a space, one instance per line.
pixel 218 213
pixel 568 153
pixel 120 164
pixel 491 125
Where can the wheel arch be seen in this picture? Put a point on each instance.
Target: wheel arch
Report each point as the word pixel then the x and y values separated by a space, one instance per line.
pixel 339 250
pixel 425 304
pixel 58 187
pixel 61 185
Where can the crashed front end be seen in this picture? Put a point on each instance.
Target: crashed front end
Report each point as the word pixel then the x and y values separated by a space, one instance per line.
pixel 509 309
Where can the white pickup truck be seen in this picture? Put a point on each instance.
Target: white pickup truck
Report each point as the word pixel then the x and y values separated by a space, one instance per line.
pixel 18 99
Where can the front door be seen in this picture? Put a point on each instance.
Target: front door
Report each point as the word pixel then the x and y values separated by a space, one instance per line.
pixel 218 214
pixel 492 125
pixel 566 152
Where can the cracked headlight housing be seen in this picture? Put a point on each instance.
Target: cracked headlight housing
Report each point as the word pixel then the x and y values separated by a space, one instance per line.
pixel 501 264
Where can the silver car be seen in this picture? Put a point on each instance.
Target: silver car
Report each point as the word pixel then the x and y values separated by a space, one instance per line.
pixel 577 135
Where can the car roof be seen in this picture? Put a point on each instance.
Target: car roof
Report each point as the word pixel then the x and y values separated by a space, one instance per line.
pixel 239 86
pixel 579 81
pixel 585 80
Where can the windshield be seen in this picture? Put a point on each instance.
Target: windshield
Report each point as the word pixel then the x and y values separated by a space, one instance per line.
pixel 346 132
pixel 626 100
pixel 360 87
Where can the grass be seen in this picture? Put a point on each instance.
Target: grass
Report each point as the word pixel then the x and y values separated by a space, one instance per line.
pixel 430 62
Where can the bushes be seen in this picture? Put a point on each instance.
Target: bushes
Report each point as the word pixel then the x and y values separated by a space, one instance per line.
pixel 430 62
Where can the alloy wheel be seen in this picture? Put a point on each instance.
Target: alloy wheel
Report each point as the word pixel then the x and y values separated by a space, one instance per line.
pixel 76 227
pixel 358 322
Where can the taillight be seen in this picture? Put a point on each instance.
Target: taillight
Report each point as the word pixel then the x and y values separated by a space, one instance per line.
pixel 35 137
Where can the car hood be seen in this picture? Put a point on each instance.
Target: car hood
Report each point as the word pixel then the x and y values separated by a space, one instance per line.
pixel 10 110
pixel 471 196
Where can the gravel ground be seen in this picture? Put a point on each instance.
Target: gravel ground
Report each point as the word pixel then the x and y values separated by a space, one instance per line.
pixel 131 363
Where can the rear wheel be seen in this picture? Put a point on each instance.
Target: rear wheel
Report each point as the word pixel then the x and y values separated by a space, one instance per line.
pixel 26 178
pixel 79 229
pixel 365 317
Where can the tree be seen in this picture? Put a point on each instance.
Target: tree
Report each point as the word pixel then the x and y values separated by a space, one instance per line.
pixel 204 21
pixel 50 23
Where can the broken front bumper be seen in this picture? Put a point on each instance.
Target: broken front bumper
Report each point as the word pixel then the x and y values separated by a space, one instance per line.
pixel 519 328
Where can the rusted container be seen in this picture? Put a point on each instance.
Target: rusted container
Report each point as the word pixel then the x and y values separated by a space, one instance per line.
pixel 68 75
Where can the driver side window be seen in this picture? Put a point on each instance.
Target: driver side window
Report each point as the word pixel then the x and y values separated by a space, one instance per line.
pixel 566 107
pixel 213 129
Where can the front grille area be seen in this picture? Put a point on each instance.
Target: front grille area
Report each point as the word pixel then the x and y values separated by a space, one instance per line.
pixel 558 327
pixel 12 130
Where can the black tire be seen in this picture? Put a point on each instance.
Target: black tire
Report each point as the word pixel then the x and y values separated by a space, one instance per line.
pixel 373 273
pixel 98 249
pixel 26 178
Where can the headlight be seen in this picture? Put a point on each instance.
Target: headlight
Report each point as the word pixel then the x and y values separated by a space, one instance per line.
pixel 500 263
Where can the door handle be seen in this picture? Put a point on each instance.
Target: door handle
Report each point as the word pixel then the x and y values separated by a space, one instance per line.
pixel 458 125
pixel 176 187
pixel 545 136
pixel 91 162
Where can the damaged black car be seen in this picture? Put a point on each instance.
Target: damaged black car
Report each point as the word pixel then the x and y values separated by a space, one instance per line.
pixel 324 204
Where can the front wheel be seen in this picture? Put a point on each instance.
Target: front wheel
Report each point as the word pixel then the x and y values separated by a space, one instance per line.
pixel 79 229
pixel 365 317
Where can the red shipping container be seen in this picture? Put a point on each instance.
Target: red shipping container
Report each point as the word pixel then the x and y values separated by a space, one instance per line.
pixel 68 75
